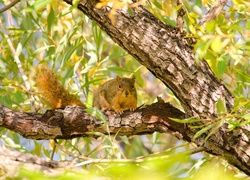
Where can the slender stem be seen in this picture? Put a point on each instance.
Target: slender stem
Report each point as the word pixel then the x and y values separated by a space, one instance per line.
pixel 5 8
pixel 140 160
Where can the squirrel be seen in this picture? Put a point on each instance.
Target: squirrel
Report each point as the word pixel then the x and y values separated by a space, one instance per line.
pixel 52 91
pixel 118 94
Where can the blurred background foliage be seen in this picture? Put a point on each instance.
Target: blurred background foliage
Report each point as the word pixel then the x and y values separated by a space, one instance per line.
pixel 83 57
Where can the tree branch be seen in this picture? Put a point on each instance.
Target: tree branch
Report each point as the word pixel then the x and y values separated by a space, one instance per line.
pixel 5 8
pixel 76 122
pixel 11 161
pixel 213 12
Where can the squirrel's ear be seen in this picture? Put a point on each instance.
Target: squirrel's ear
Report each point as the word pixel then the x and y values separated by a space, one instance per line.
pixel 118 78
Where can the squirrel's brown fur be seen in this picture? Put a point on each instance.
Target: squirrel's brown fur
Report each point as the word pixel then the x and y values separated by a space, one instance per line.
pixel 118 94
pixel 53 93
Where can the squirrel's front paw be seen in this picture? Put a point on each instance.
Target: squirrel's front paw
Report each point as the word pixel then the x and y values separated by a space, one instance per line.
pixel 132 108
pixel 118 110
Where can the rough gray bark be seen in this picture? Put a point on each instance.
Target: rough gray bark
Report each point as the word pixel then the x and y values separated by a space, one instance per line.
pixel 76 122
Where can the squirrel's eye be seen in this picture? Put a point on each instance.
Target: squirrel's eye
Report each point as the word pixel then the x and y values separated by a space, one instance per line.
pixel 133 86
pixel 120 86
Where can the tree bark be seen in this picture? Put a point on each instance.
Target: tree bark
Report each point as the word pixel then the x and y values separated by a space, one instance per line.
pixel 74 121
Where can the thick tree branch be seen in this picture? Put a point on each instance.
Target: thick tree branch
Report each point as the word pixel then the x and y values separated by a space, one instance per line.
pixel 75 122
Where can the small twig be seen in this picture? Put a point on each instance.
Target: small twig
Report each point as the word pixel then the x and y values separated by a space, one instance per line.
pixel 5 8
pixel 161 152
pixel 70 153
pixel 97 147
pixel 53 151
pixel 181 13
pixel 213 12
pixel 73 147
pixel 140 160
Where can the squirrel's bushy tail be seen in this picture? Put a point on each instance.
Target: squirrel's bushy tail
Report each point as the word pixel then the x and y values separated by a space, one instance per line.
pixel 52 91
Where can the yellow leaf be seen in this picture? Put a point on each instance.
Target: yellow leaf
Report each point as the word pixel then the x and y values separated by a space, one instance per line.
pixel 216 45
pixel 177 8
pixel 194 15
pixel 192 29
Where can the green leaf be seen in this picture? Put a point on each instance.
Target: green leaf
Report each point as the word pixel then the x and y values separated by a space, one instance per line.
pixel 97 33
pixel 96 113
pixel 169 21
pixel 38 4
pixel 130 11
pixel 222 65
pixel 210 26
pixel 246 117
pixel 218 125
pixel 38 149
pixel 70 51
pixel 46 152
pixel 118 70
pixel 221 107
pixel 189 120
pixel 157 4
pixel 198 3
pixel 6 100
pixel 19 49
pixel 51 19
pixel 200 132
pixel 156 137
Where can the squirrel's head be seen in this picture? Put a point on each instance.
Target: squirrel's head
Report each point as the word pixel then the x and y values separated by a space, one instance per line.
pixel 126 86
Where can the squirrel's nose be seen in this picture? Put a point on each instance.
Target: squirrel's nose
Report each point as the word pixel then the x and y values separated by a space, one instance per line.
pixel 126 93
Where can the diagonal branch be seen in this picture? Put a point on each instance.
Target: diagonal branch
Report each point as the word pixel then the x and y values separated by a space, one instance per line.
pixel 213 12
pixel 5 8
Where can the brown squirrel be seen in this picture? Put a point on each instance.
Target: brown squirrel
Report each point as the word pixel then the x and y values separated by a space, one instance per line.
pixel 53 93
pixel 118 94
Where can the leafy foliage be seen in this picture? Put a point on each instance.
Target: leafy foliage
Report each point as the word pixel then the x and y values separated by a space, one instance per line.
pixel 84 57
